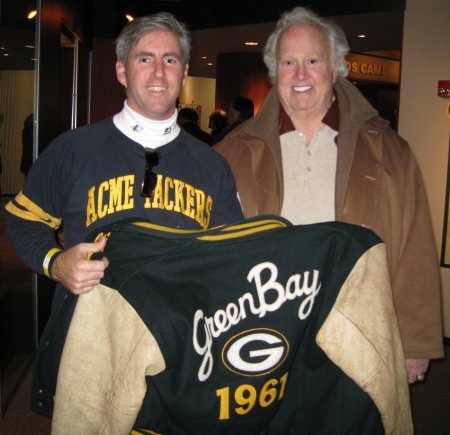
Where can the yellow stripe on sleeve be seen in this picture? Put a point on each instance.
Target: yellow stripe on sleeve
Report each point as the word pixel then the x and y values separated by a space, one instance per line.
pixel 31 212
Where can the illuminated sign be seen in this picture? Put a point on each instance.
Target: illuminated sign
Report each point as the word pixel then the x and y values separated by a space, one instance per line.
pixel 362 67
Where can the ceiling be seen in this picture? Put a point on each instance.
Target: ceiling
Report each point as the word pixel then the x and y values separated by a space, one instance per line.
pixel 219 26
pixel 383 32
pixel 224 26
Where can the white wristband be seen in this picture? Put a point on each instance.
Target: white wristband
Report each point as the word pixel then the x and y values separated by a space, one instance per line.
pixel 47 259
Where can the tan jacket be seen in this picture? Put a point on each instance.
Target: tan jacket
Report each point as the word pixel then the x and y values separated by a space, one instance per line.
pixel 378 186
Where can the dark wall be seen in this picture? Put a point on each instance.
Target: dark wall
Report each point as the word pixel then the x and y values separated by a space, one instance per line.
pixel 385 98
pixel 240 75
pixel 78 17
pixel 107 94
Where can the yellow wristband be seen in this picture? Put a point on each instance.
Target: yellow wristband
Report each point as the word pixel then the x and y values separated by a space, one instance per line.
pixel 47 259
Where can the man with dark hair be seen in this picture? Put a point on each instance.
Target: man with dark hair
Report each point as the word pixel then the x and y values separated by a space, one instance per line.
pixel 240 110
pixel 188 119
pixel 217 122
pixel 27 145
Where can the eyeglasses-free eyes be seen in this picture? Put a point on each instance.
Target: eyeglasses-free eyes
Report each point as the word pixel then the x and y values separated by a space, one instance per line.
pixel 150 178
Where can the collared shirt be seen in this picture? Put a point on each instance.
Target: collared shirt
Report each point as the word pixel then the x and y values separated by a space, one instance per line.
pixel 309 170
pixel 309 176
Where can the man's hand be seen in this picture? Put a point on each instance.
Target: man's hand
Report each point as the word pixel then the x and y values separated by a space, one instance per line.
pixel 75 272
pixel 415 368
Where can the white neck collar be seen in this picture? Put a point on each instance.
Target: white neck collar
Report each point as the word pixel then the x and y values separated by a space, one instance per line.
pixel 147 132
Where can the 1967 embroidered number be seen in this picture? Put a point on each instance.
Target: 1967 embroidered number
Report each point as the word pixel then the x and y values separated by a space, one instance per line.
pixel 247 396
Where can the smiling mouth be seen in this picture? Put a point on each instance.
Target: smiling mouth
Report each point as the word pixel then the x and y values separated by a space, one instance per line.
pixel 302 88
pixel 156 88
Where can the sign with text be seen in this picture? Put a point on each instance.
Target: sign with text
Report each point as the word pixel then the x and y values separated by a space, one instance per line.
pixel 362 67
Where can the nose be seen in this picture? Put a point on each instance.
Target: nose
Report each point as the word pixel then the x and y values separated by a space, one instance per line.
pixel 301 71
pixel 158 70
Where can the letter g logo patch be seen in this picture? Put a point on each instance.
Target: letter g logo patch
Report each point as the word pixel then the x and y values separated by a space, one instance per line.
pixel 255 352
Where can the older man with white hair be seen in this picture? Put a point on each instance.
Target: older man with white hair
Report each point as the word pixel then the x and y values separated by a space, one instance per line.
pixel 318 151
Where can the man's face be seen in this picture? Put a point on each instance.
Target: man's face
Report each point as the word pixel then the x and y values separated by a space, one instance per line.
pixel 305 76
pixel 232 115
pixel 154 75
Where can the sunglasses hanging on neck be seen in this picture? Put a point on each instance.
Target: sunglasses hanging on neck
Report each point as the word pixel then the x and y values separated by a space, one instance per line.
pixel 150 178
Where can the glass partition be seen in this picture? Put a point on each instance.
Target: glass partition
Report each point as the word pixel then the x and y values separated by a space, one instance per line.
pixel 17 100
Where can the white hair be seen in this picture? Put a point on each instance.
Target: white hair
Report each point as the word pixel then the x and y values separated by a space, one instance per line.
pixel 336 36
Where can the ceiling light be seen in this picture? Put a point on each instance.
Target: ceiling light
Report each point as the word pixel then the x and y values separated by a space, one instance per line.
pixel 204 57
pixel 210 64
pixel 31 15
pixel 361 36
pixel 129 17
pixel 251 43
pixel 29 46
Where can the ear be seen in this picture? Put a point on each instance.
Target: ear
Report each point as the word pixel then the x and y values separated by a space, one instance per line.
pixel 185 75
pixel 121 73
pixel 335 71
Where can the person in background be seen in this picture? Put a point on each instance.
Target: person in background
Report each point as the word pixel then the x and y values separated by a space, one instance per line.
pixel 217 121
pixel 317 151
pixel 240 110
pixel 27 145
pixel 188 120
